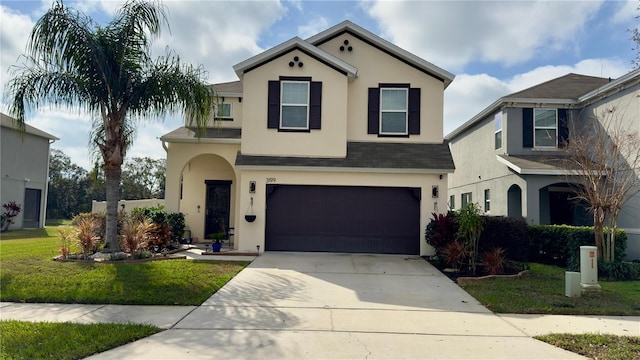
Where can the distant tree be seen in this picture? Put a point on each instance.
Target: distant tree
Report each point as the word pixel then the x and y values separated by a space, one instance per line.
pixel 71 61
pixel 604 156
pixel 635 37
pixel 143 178
pixel 69 187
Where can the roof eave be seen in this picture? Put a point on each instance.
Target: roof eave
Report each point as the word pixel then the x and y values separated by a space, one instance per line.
pixel 628 77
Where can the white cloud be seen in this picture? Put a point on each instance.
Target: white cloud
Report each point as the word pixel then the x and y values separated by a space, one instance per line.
pixel 453 34
pixel 14 32
pixel 626 12
pixel 469 94
pixel 313 27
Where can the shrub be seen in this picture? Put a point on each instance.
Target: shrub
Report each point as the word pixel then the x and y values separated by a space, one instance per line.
pixel 67 233
pixel 133 236
pixel 158 237
pixel 560 244
pixel 441 230
pixel 507 233
pixel 619 270
pixel 87 239
pixel 177 224
pixel 9 212
pixel 493 261
pixel 157 215
pixel 469 230
pixel 453 254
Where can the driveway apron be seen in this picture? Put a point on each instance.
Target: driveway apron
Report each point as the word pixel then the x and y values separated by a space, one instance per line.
pixel 347 306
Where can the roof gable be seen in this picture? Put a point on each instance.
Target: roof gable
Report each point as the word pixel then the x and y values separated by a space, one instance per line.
pixel 9 122
pixel 295 43
pixel 383 45
pixel 570 86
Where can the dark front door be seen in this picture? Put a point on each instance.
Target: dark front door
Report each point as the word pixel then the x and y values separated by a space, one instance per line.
pixel 217 206
pixel 31 216
pixel 343 219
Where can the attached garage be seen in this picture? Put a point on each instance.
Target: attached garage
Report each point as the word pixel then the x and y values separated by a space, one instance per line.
pixel 352 219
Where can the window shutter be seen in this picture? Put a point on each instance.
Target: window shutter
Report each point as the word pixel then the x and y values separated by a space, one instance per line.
pixel 315 105
pixel 373 119
pixel 273 114
pixel 527 127
pixel 563 128
pixel 414 111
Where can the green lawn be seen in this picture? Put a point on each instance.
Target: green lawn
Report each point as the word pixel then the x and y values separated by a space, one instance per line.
pixel 28 274
pixel 542 292
pixel 596 346
pixel 27 340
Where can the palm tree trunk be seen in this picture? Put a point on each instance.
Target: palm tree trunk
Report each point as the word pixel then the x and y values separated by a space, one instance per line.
pixel 113 175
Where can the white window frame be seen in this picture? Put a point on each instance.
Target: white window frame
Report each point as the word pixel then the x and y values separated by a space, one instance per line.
pixel 497 131
pixel 230 116
pixel 283 104
pixel 465 199
pixel 452 202
pixel 554 128
pixel 487 200
pixel 405 111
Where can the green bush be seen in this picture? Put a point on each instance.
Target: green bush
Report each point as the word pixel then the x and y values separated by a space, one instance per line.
pixel 507 233
pixel 174 222
pixel 619 270
pixel 560 244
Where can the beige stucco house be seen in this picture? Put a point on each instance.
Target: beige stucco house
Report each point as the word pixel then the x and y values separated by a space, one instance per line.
pixel 333 143
pixel 24 170
pixel 509 156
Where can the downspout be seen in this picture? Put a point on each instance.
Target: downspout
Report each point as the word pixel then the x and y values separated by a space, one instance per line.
pixel 46 186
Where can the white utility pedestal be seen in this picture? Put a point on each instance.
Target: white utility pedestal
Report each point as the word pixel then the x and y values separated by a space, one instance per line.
pixel 589 268
pixel 572 284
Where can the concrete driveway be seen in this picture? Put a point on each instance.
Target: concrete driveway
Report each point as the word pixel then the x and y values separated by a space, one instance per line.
pixel 347 306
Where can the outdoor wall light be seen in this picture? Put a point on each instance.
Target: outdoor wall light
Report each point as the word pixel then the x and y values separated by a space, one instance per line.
pixel 252 187
pixel 198 208
pixel 258 248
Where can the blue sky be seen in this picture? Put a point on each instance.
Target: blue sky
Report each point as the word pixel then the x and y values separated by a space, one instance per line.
pixel 493 47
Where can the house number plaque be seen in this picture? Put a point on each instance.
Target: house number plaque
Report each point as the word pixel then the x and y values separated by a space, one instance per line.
pixel 271 180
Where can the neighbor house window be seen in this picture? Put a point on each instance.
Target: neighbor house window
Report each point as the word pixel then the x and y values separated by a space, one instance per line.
pixel 223 111
pixel 487 200
pixel 393 111
pixel 452 202
pixel 294 110
pixel 498 130
pixel 466 199
pixel 545 127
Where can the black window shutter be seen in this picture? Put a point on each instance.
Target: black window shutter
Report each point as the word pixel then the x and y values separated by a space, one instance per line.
pixel 315 105
pixel 273 114
pixel 527 127
pixel 414 111
pixel 563 128
pixel 373 120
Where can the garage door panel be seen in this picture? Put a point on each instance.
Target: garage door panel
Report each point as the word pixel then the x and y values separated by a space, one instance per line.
pixel 342 219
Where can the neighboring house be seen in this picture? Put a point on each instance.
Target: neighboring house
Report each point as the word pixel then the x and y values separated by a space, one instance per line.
pixel 333 143
pixel 509 159
pixel 24 170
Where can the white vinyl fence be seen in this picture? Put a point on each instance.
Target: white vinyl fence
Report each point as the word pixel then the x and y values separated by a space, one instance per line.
pixel 126 205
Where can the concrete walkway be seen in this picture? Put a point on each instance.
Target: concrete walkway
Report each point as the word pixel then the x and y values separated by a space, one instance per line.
pixel 306 305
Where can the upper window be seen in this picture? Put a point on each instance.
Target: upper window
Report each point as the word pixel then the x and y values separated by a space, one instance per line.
pixel 466 199
pixel 393 111
pixel 498 130
pixel 452 202
pixel 545 123
pixel 294 105
pixel 487 200
pixel 223 111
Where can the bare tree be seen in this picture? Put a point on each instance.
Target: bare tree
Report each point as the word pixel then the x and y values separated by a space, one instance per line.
pixel 603 156
pixel 635 37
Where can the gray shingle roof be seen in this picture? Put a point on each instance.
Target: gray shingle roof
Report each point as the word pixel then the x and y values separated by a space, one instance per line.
pixel 234 87
pixel 186 133
pixel 570 86
pixel 374 155
pixel 538 164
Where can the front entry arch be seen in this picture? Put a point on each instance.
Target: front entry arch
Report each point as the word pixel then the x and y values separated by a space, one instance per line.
pixel 514 201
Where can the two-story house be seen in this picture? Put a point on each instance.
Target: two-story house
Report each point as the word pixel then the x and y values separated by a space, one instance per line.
pixel 24 171
pixel 333 143
pixel 509 156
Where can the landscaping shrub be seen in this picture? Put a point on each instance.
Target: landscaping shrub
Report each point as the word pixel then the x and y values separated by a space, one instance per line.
pixel 87 239
pixel 168 228
pixel 560 244
pixel 619 270
pixel 177 224
pixel 507 233
pixel 9 212
pixel 493 261
pixel 441 230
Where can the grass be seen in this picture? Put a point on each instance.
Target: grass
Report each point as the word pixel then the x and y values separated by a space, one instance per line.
pixel 28 340
pixel 596 346
pixel 28 274
pixel 542 292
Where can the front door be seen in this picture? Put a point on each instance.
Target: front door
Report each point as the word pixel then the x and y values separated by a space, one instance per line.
pixel 217 206
pixel 31 215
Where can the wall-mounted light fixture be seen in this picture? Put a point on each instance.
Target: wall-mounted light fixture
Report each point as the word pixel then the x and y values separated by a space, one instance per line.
pixel 252 187
pixel 434 191
pixel 198 207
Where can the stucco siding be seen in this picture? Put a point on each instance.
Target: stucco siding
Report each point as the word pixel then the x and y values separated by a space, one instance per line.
pixel 329 141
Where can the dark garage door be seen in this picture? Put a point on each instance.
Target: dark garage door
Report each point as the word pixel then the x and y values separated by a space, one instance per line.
pixel 343 219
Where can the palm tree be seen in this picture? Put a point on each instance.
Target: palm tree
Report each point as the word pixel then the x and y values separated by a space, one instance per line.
pixel 108 72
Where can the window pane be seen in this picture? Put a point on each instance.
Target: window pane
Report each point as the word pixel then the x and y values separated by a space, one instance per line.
pixel 545 117
pixel 393 99
pixel 545 137
pixel 394 122
pixel 224 110
pixel 294 117
pixel 295 93
pixel 498 121
pixel 498 138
